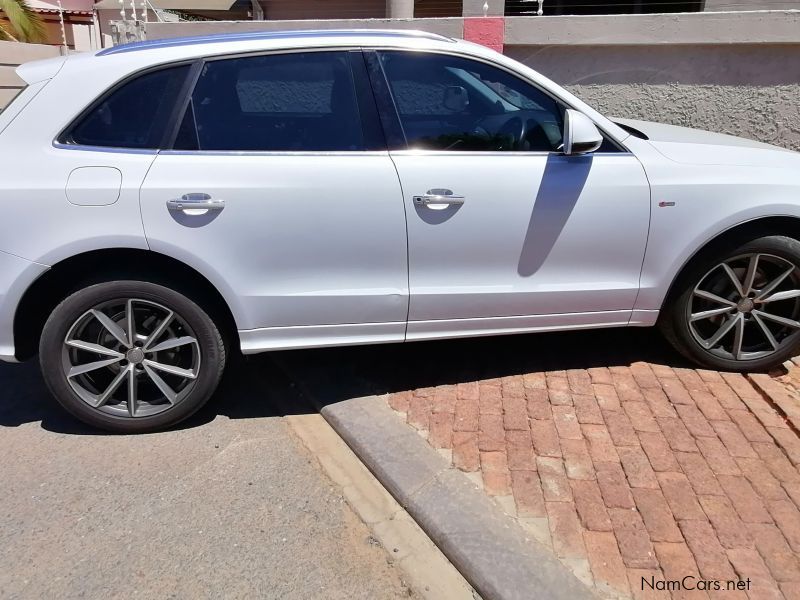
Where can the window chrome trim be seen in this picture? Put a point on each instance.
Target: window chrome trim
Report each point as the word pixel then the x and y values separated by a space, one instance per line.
pixel 409 152
pixel 423 152
pixel 110 149
pixel 272 152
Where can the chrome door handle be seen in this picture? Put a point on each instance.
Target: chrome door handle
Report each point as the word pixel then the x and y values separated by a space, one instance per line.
pixel 195 201
pixel 439 199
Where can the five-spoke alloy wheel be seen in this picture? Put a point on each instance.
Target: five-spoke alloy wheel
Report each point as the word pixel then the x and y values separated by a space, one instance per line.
pixel 131 356
pixel 739 309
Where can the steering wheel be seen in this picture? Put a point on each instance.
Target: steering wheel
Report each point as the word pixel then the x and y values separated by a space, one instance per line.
pixel 512 134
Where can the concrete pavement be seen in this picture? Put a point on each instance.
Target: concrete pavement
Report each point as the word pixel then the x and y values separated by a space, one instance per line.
pixel 224 507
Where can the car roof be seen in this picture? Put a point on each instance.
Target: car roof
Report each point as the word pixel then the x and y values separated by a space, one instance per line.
pixel 334 35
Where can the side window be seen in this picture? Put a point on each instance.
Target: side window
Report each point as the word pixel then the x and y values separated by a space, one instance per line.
pixel 283 102
pixel 452 103
pixel 133 115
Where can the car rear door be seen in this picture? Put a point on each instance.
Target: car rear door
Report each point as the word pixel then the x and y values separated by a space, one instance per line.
pixel 505 233
pixel 278 187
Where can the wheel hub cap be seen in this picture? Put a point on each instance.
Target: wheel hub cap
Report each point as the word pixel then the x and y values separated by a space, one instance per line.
pixel 745 305
pixel 135 356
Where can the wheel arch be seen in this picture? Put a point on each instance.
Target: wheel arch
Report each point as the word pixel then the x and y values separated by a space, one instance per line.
pixel 95 266
pixel 773 225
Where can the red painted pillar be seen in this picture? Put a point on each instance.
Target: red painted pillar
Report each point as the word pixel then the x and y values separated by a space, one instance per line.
pixel 489 31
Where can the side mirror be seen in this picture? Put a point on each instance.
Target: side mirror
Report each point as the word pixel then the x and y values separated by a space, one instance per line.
pixel 455 98
pixel 580 133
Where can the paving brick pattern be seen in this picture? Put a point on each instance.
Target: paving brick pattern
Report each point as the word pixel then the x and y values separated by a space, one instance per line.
pixel 636 472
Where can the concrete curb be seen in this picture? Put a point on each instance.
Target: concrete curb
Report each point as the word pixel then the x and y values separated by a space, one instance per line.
pixel 430 573
pixel 485 545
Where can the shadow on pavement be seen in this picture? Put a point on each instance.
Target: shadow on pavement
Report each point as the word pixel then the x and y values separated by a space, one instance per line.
pixel 328 376
pixel 304 381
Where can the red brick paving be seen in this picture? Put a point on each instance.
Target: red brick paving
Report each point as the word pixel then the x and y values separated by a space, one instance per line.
pixel 646 471
pixel 606 562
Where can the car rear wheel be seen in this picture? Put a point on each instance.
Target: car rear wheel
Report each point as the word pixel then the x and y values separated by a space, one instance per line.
pixel 131 356
pixel 739 309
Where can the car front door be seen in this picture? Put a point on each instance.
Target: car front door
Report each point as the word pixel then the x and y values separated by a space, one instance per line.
pixel 279 188
pixel 505 233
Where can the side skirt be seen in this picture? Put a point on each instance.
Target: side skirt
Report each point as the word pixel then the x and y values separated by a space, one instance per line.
pixel 319 336
pixel 453 328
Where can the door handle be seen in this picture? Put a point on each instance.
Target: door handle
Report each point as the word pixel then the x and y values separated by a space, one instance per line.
pixel 195 201
pixel 439 199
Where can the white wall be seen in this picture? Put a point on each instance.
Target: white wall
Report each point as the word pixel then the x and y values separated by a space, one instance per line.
pixel 13 54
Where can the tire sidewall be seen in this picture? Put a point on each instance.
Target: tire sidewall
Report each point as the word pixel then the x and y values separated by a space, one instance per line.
pixel 212 352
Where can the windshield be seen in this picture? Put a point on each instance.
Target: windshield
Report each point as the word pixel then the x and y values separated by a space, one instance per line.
pixel 496 91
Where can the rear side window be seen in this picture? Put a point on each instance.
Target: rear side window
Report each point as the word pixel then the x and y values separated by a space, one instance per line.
pixel 133 115
pixel 303 101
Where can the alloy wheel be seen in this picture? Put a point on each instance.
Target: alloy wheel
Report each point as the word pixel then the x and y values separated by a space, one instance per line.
pixel 747 307
pixel 131 358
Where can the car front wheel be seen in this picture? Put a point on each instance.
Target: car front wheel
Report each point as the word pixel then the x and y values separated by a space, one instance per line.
pixel 131 356
pixel 739 309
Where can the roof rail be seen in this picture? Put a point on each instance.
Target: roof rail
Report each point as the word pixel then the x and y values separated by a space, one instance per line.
pixel 268 35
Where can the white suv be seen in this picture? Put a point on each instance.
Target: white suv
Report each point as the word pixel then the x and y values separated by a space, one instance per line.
pixel 168 201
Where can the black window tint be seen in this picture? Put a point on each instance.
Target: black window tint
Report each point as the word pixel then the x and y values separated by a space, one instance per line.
pixel 452 103
pixel 186 138
pixel 302 102
pixel 133 115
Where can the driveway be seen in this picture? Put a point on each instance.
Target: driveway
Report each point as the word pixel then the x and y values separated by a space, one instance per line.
pixel 231 505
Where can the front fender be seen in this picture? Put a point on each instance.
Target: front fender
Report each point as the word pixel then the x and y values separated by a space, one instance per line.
pixel 693 204
pixel 670 249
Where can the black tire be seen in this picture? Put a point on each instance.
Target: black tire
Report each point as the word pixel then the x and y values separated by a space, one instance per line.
pixel 209 349
pixel 675 324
